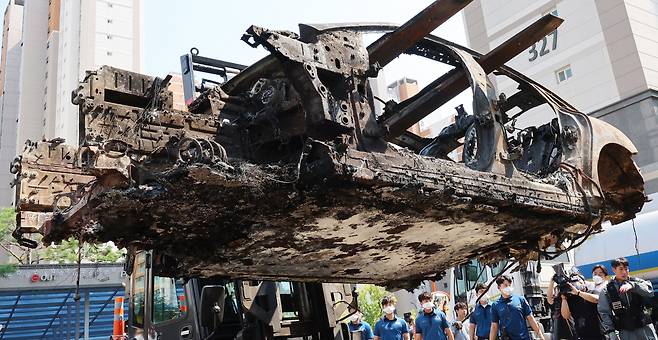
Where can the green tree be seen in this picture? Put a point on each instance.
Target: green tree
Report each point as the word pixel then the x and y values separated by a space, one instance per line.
pixel 67 252
pixel 7 225
pixel 370 297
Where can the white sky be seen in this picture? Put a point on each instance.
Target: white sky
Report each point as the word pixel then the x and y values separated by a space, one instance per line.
pixel 172 27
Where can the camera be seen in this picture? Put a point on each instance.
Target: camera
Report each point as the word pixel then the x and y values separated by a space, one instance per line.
pixel 562 279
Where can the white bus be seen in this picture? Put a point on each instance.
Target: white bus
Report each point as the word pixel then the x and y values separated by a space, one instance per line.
pixel 636 240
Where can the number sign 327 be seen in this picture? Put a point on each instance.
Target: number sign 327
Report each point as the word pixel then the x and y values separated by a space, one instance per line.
pixel 541 48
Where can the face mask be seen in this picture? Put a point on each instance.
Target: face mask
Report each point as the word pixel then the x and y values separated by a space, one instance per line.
pixel 484 299
pixel 507 290
pixel 428 305
pixel 597 279
pixel 389 309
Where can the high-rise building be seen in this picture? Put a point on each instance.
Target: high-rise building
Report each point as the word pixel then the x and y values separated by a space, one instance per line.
pixel 177 91
pixel 10 65
pixel 603 59
pixel 92 33
pixel 33 72
pixel 402 89
pixel 47 48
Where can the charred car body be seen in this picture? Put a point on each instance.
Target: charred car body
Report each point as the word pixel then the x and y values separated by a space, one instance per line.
pixel 285 172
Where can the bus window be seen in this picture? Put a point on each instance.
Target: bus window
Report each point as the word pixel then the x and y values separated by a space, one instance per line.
pixel 168 299
pixel 466 277
pixel 472 273
pixel 137 300
pixel 498 267
pixel 460 282
pixel 287 296
pixel 231 303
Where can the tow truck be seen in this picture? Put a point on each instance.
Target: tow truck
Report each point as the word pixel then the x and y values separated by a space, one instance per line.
pixel 164 308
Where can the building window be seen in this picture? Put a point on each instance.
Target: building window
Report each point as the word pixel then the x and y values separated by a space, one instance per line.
pixel 109 53
pixel 109 37
pixel 110 5
pixel 109 21
pixel 563 74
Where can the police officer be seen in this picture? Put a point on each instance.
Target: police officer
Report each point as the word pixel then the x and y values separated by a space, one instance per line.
pixel 511 312
pixel 359 329
pixel 621 305
pixel 390 326
pixel 431 323
pixel 480 320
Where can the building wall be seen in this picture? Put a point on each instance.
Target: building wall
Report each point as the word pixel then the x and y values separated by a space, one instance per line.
pixel 401 90
pixel 68 62
pixel 60 40
pixel 33 72
pixel 611 48
pixel 112 36
pixel 178 95
pixel 10 76
pixel 12 13
pixel 579 43
pixel 632 27
pixel 621 47
pixel 53 15
pixel 631 32
pixel 379 90
pixel 50 100
pixel 115 35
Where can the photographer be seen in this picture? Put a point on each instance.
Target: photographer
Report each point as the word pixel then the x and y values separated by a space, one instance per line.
pixel 562 328
pixel 580 305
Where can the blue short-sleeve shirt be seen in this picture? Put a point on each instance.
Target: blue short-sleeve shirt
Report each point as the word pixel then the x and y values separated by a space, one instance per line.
pixel 363 327
pixel 481 318
pixel 510 314
pixel 394 329
pixel 432 326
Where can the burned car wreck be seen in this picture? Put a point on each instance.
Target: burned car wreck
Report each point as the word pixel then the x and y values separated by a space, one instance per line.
pixel 285 172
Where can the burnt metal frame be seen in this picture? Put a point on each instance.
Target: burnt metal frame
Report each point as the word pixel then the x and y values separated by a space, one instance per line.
pixel 326 69
pixel 194 62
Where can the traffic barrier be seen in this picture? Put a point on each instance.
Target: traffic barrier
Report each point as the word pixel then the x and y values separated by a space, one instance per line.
pixel 118 332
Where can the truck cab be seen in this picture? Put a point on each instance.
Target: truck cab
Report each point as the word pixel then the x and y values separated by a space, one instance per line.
pixel 167 308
